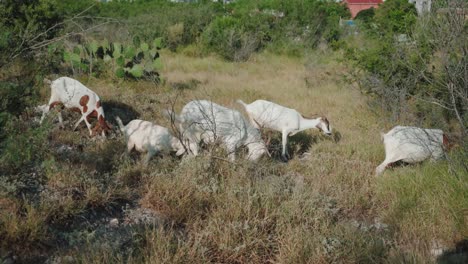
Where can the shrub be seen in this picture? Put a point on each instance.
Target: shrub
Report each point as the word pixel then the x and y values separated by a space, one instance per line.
pixel 395 16
pixel 24 24
pixel 232 38
pixel 137 60
pixel 23 146
pixel 22 230
pixel 157 18
pixel 414 66
pixel 175 34
pixel 366 15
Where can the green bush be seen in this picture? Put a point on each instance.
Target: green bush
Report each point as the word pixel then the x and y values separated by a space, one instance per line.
pixel 395 16
pixel 233 38
pixel 23 147
pixel 21 144
pixel 298 23
pixel 132 60
pixel 157 18
pixel 26 23
pixel 366 15
pixel 414 65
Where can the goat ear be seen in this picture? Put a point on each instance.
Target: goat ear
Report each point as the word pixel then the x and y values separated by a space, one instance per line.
pixel 47 81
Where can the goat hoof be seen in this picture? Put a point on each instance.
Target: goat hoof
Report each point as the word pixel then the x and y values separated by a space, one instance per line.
pixel 284 158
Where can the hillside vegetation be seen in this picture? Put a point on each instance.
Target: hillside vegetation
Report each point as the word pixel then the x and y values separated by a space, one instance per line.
pixel 66 197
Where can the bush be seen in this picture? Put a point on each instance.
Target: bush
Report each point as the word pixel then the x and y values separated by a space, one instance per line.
pixel 252 25
pixel 24 24
pixel 175 34
pixel 395 17
pixel 22 144
pixel 366 15
pixel 415 66
pixel 232 38
pixel 23 147
pixel 158 18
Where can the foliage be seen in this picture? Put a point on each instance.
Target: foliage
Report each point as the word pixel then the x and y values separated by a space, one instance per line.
pixel 136 60
pixel 23 20
pixel 253 25
pixel 23 146
pixel 414 66
pixel 395 16
pixel 233 38
pixel 366 15
pixel 179 24
pixel 26 23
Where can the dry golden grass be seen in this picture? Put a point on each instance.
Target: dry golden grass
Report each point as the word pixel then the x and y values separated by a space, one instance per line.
pixel 324 205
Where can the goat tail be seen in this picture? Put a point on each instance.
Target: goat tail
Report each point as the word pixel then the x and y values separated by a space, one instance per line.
pixel 121 125
pixel 239 101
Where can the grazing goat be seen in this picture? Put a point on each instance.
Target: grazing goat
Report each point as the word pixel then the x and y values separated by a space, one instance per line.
pixel 144 136
pixel 209 122
pixel 411 145
pixel 285 120
pixel 72 94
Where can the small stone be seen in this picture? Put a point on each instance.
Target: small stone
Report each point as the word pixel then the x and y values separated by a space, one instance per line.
pixel 114 222
pixel 379 226
pixel 8 261
pixel 437 248
pixel 355 223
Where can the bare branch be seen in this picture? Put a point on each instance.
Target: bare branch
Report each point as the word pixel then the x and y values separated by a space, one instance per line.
pixel 32 44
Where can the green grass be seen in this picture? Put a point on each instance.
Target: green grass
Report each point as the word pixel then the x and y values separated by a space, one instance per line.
pixel 426 203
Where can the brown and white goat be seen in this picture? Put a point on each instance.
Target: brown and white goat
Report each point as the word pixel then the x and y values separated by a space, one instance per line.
pixel 72 94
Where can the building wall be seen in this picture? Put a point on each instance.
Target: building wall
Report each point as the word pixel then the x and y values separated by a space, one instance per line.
pixel 355 8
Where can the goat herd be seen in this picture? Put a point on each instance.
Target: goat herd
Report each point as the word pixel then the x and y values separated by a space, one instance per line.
pixel 202 120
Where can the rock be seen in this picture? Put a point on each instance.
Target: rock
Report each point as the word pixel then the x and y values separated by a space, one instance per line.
pixel 114 222
pixel 379 226
pixel 437 248
pixel 8 261
pixel 330 244
pixel 142 216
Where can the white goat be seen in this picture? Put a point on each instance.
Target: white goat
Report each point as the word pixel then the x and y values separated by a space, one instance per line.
pixel 411 145
pixel 285 120
pixel 74 95
pixel 144 136
pixel 206 121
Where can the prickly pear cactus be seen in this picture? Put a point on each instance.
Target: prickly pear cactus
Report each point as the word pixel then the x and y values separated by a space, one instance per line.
pixel 132 61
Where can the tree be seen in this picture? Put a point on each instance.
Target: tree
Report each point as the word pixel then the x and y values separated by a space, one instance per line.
pixel 395 17
pixel 444 35
pixel 28 25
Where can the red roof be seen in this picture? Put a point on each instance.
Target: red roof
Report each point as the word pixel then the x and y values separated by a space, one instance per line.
pixel 363 1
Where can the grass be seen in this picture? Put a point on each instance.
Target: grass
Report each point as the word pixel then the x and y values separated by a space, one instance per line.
pixel 426 204
pixel 324 205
